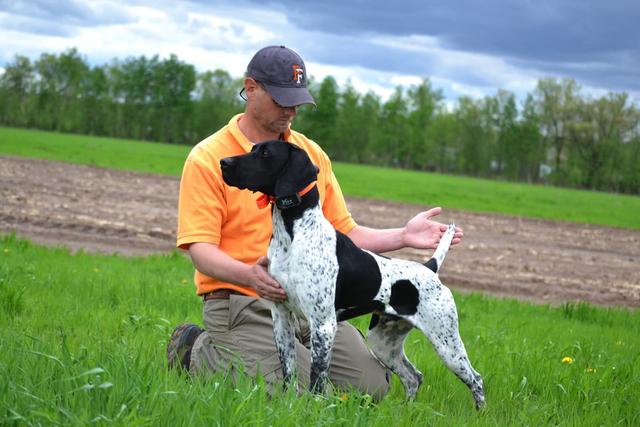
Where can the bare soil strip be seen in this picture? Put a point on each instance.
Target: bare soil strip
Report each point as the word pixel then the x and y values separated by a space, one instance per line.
pixel 110 211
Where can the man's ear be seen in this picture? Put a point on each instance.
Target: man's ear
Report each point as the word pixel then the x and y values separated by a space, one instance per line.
pixel 250 86
pixel 298 173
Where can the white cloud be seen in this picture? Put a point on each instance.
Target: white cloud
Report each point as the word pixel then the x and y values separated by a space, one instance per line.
pixel 405 80
pixel 227 35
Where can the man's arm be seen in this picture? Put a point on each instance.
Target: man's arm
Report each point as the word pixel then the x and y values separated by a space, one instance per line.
pixel 210 260
pixel 421 232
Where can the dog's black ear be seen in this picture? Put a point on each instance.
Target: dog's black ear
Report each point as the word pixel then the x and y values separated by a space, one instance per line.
pixel 297 174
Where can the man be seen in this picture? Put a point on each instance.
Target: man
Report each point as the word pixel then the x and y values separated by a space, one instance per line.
pixel 227 237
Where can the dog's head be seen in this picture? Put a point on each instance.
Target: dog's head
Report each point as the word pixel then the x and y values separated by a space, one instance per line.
pixel 275 168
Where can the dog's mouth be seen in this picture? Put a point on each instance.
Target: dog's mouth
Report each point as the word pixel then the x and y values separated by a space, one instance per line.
pixel 230 181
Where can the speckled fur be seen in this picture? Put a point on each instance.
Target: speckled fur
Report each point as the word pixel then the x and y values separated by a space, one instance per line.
pixel 436 317
pixel 307 268
pixel 303 259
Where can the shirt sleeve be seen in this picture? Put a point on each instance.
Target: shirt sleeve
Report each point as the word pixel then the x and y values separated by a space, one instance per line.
pixel 201 207
pixel 334 206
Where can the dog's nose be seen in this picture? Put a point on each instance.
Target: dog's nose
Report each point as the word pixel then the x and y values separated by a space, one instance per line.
pixel 226 162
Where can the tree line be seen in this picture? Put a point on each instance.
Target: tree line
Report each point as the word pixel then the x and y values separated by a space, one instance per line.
pixel 557 135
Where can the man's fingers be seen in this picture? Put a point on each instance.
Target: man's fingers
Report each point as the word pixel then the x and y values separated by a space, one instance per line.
pixel 269 281
pixel 273 294
pixel 264 275
pixel 433 212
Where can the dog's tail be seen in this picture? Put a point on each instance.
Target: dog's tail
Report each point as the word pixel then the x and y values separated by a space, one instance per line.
pixel 437 259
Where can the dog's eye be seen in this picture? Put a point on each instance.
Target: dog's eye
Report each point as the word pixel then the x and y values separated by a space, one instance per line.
pixel 264 154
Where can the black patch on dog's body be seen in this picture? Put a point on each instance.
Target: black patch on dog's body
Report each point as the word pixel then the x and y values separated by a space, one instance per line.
pixel 359 310
pixel 404 297
pixel 381 317
pixel 358 280
pixel 432 265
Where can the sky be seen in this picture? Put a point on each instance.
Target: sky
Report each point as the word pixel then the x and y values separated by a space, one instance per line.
pixel 465 47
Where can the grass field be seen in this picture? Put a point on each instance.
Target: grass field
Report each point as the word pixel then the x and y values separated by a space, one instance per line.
pixel 356 180
pixel 83 341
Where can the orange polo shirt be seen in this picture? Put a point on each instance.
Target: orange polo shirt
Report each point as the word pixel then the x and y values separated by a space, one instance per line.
pixel 212 212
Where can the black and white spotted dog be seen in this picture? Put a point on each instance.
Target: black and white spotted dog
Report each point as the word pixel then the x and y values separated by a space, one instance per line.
pixel 328 279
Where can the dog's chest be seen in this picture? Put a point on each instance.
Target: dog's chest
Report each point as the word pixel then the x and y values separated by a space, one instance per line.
pixel 305 265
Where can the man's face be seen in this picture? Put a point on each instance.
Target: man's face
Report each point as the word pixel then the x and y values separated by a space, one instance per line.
pixel 269 115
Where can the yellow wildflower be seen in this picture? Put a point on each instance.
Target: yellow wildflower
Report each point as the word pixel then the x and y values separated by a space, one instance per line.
pixel 344 397
pixel 183 281
pixel 591 370
pixel 6 251
pixel 567 359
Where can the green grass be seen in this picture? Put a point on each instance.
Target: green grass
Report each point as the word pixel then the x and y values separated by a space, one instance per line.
pixel 356 180
pixel 483 195
pixel 163 159
pixel 83 341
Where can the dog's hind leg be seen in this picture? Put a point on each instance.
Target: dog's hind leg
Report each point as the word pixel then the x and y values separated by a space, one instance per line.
pixel 283 335
pixel 323 334
pixel 386 338
pixel 439 323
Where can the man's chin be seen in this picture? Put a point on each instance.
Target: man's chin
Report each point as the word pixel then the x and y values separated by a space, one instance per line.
pixel 281 127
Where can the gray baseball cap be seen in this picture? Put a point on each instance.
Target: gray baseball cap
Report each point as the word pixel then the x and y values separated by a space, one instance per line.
pixel 283 74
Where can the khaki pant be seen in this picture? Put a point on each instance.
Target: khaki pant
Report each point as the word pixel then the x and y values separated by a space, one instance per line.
pixel 239 333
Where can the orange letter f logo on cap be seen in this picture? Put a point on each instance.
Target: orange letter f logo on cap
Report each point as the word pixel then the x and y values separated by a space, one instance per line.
pixel 297 74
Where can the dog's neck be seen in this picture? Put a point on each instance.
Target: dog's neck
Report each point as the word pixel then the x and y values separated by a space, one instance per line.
pixel 288 202
pixel 284 202
pixel 308 200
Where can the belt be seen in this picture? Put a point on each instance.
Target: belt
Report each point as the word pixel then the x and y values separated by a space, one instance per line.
pixel 220 294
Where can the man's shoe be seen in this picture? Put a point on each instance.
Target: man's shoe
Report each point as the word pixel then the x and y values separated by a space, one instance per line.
pixel 180 345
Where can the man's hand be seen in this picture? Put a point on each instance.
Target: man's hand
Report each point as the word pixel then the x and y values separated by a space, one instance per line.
pixel 421 232
pixel 265 285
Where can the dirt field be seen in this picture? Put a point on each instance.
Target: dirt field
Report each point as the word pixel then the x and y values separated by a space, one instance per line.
pixel 133 214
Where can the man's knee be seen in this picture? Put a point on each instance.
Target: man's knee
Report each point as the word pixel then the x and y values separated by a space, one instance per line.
pixel 205 358
pixel 355 366
pixel 376 380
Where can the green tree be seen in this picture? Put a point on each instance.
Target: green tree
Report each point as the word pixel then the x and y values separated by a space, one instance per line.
pixel 216 101
pixel 60 90
pixel 132 81
pixel 320 123
pixel 96 102
pixel 424 101
pixel 393 136
pixel 596 137
pixel 443 132
pixel 474 138
pixel 173 81
pixel 556 105
pixel 502 116
pixel 351 130
pixel 528 145
pixel 16 86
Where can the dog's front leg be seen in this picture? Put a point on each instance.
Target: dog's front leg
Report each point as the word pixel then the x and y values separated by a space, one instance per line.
pixel 323 333
pixel 283 335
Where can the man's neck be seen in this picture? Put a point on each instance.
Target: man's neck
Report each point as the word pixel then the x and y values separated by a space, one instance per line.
pixel 252 131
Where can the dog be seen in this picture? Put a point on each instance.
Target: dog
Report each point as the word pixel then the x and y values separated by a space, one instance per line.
pixel 328 279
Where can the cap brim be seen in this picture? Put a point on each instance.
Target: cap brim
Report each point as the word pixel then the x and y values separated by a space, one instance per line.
pixel 290 96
